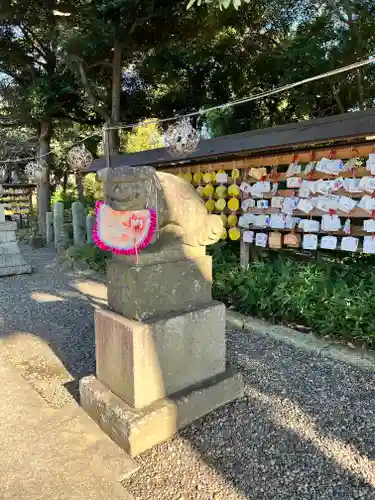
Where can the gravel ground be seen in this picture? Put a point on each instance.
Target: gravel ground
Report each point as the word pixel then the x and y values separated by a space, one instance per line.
pixel 46 326
pixel 304 430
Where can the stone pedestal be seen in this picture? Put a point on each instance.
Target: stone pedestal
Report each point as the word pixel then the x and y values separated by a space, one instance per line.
pixel 160 348
pixel 161 357
pixel 138 431
pixel 171 287
pixel 11 260
pixel 142 362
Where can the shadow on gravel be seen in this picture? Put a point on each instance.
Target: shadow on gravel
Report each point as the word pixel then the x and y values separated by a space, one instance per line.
pixel 65 324
pixel 337 398
pixel 286 439
pixel 297 433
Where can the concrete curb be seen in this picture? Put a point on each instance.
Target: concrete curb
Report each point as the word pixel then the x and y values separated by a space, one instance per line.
pixel 94 275
pixel 306 342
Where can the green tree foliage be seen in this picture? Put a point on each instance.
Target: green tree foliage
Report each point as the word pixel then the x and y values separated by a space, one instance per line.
pixel 209 70
pixel 112 38
pixel 37 87
pixel 143 137
pixel 323 37
pixel 221 4
pixel 262 46
pixel 111 61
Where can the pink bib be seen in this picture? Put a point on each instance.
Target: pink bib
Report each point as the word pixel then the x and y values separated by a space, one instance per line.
pixel 123 232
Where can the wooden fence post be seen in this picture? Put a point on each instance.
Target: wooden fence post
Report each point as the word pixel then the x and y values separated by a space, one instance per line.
pixel 244 254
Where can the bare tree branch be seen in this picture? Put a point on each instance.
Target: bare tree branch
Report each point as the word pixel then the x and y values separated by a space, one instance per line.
pixel 335 92
pixel 21 80
pixel 355 34
pixel 99 63
pixel 140 21
pixel 354 29
pixel 90 94
pixel 27 33
pixel 360 90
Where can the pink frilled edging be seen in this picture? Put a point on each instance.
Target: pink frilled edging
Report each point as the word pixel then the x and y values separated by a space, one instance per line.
pixel 121 251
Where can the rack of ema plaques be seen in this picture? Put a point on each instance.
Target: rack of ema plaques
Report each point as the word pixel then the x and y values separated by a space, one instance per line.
pixel 326 204
pixel 11 260
pixel 221 194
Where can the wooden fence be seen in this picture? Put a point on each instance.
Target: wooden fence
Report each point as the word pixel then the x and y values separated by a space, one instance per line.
pixel 17 201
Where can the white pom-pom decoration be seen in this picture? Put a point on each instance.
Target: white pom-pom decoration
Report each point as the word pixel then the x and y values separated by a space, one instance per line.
pixel 79 158
pixel 181 137
pixel 34 171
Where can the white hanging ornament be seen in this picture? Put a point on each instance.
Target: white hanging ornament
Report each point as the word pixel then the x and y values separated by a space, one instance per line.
pixel 79 158
pixel 14 178
pixel 34 171
pixel 1 190
pixel 181 137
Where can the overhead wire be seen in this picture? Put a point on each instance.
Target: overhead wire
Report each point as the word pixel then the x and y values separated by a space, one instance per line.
pixel 33 158
pixel 261 95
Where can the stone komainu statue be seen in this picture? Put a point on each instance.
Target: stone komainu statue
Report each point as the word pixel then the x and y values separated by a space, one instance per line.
pixel 182 216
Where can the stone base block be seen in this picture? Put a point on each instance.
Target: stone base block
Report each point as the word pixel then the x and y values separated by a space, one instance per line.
pixel 139 430
pixel 11 270
pixel 11 260
pixel 142 362
pixel 142 292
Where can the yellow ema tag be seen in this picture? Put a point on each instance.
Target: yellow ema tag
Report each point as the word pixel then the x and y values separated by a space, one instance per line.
pixel 234 233
pixel 233 204
pixel 234 190
pixel 220 204
pixel 232 220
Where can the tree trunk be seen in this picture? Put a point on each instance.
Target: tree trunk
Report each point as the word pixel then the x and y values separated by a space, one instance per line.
pixel 43 191
pixel 113 135
pixel 65 182
pixel 79 183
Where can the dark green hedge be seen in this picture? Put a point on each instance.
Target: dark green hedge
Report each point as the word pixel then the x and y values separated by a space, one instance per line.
pixel 334 297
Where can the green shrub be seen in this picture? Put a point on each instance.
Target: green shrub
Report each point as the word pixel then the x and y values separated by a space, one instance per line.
pixel 95 258
pixel 333 297
pixel 92 191
pixel 67 198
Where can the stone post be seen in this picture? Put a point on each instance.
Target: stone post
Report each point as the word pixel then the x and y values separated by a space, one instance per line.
pixel 11 260
pixel 90 221
pixel 79 223
pixel 160 347
pixel 60 233
pixel 49 228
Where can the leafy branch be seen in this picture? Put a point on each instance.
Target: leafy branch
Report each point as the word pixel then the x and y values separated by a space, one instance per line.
pixel 221 4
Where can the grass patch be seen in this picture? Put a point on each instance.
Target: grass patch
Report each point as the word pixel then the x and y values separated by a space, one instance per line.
pixel 95 258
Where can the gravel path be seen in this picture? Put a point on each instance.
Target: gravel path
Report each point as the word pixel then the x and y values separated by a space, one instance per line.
pixel 305 429
pixel 46 325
